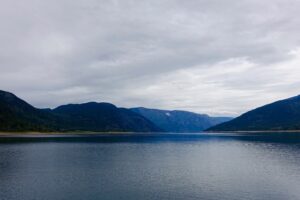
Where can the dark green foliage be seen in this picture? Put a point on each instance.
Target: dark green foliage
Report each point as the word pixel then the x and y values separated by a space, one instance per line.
pixel 179 121
pixel 281 115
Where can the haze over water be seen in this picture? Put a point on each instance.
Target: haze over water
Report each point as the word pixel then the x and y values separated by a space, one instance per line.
pixel 162 166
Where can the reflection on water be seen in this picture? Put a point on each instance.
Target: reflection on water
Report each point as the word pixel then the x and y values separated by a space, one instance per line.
pixel 149 166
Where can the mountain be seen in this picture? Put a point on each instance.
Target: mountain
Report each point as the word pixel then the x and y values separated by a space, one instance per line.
pixel 17 115
pixel 102 117
pixel 179 121
pixel 281 115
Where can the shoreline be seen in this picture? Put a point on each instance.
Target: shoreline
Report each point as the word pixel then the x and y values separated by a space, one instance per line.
pixel 260 131
pixel 91 133
pixel 32 133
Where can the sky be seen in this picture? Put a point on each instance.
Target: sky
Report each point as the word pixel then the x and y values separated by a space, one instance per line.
pixel 207 56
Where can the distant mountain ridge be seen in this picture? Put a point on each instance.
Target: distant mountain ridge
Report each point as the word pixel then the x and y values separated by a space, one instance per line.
pixel 102 117
pixel 179 121
pixel 18 115
pixel 280 115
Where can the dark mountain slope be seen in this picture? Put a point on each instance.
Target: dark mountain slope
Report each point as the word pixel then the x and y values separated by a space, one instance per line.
pixel 179 121
pixel 281 115
pixel 102 117
pixel 17 115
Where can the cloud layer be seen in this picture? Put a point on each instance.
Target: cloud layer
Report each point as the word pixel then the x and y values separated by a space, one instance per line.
pixel 208 56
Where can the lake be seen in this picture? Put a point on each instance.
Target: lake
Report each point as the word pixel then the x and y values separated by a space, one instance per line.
pixel 211 166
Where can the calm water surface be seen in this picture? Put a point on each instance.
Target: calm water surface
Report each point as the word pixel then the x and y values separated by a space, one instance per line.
pixel 156 167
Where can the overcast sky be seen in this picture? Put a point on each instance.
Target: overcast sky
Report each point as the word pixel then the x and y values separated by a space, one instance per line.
pixel 221 57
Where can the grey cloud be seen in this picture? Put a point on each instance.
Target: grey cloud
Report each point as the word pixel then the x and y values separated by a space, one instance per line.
pixel 63 51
